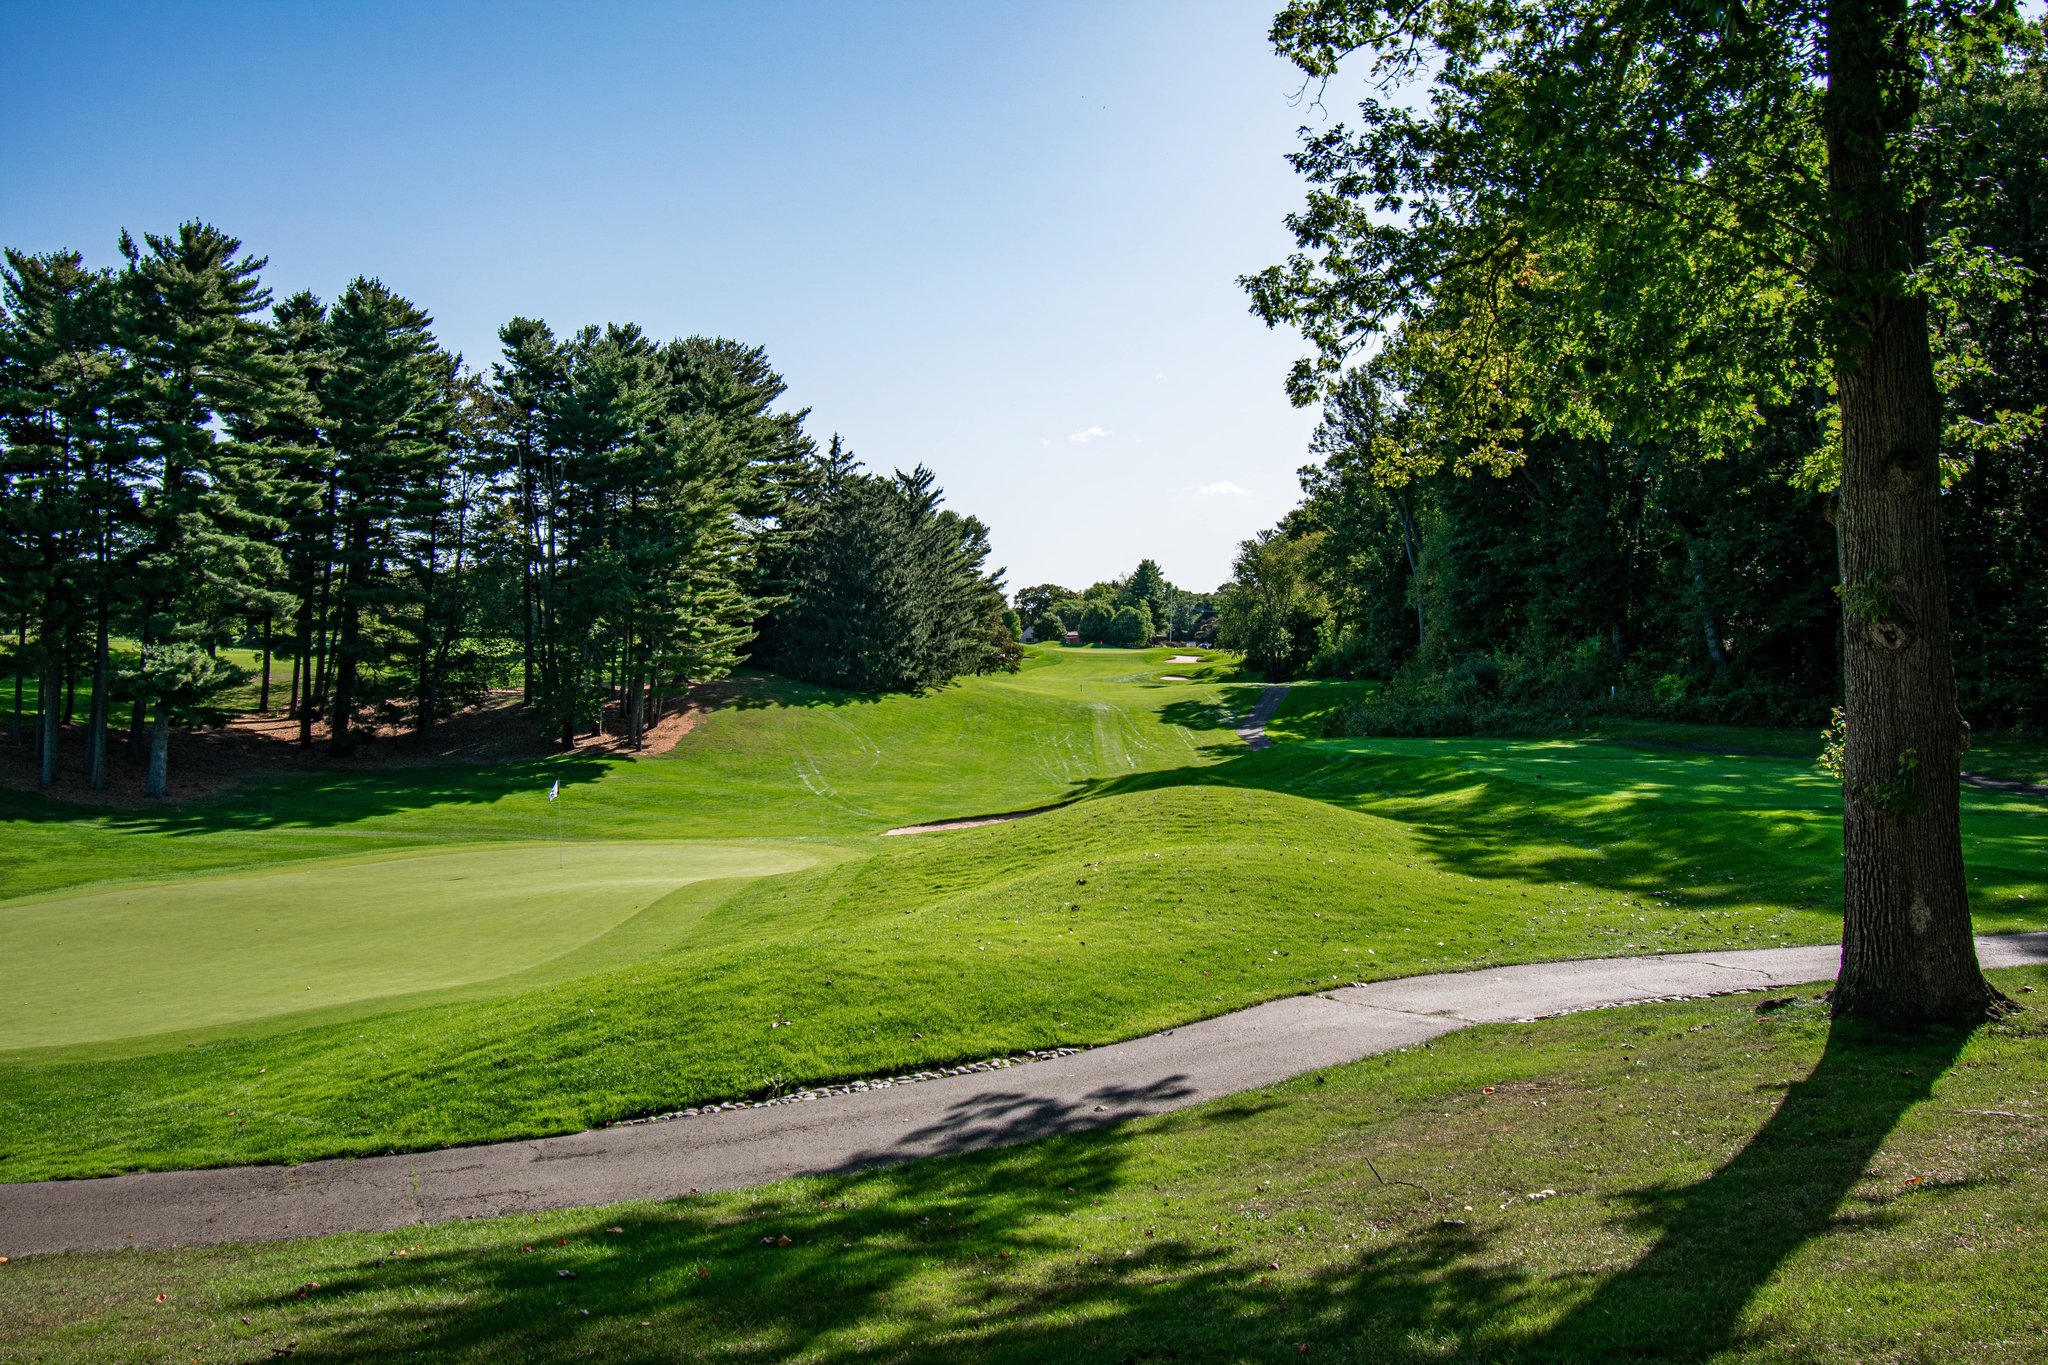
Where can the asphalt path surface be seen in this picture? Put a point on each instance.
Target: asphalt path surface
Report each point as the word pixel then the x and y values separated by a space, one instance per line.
pixel 880 1125
pixel 1253 731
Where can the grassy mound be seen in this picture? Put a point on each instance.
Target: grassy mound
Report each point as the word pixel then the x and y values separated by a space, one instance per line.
pixel 1669 1182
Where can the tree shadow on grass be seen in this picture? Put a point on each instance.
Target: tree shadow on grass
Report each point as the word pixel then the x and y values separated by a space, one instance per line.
pixel 1024 1281
pixel 323 800
pixel 789 1268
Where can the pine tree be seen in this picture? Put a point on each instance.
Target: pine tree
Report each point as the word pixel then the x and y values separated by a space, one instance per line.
pixel 1147 587
pixel 66 501
pixel 385 404
pixel 199 367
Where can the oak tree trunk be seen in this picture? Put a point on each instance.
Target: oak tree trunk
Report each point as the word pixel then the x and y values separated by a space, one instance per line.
pixel 1907 949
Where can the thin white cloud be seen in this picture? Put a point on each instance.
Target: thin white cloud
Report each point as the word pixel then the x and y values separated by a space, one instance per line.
pixel 1086 434
pixel 1223 486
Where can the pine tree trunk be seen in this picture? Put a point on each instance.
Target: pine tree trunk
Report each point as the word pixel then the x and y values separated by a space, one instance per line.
pixel 96 730
pixel 46 718
pixel 302 671
pixel 160 753
pixel 1907 950
pixel 263 697
pixel 138 715
pixel 341 720
pixel 20 670
pixel 348 647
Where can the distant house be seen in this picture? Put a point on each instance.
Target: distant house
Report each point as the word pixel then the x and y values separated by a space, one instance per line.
pixel 1073 637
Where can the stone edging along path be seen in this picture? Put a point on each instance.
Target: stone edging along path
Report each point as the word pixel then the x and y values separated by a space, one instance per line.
pixel 959 1110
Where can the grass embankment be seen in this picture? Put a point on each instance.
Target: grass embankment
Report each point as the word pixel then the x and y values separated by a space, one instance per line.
pixel 1670 1182
pixel 1176 892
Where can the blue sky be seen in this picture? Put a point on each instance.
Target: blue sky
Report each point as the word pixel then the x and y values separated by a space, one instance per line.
pixel 1000 239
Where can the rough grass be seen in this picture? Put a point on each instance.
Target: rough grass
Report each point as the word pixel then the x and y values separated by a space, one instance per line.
pixel 1673 1182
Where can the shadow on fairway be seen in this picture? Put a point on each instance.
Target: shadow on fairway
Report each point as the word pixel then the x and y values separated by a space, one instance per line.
pixel 1486 826
pixel 715 1282
pixel 322 800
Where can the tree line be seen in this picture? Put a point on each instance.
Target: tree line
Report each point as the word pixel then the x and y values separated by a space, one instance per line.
pixel 1129 611
pixel 1648 574
pixel 1693 349
pixel 600 519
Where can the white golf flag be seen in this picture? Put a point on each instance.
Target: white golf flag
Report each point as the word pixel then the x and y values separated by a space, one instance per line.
pixel 555 790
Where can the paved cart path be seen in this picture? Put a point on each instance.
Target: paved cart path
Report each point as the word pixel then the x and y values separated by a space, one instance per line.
pixel 883 1125
pixel 1253 731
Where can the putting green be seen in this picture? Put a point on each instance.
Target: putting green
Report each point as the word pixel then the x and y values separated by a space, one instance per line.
pixel 138 959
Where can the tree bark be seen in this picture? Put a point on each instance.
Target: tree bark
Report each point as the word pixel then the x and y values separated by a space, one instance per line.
pixel 139 714
pixel 1412 544
pixel 1907 950
pixel 341 721
pixel 302 670
pixel 160 753
pixel 52 688
pixel 263 697
pixel 96 728
pixel 20 663
pixel 1717 648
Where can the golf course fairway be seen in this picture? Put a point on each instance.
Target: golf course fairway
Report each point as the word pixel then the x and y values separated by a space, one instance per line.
pixel 135 959
pixel 725 920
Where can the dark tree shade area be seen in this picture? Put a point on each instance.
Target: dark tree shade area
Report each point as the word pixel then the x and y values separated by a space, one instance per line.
pixel 600 520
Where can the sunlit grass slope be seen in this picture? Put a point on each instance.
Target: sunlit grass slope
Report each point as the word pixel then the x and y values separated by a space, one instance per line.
pixel 152 957
pixel 1101 920
pixel 1186 877
pixel 783 760
pixel 1689 1181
